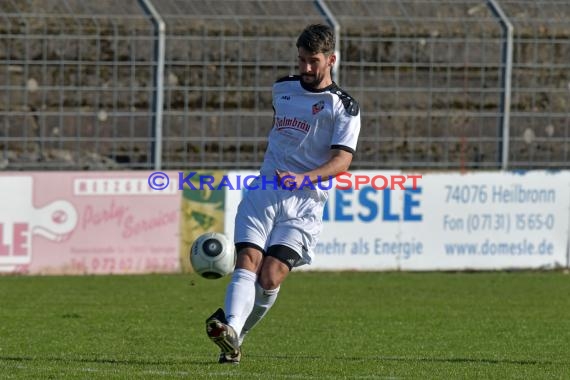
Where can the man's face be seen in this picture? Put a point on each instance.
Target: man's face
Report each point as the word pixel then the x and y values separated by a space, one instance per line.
pixel 315 69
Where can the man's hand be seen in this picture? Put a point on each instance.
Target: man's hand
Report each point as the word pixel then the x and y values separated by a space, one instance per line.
pixel 339 163
pixel 289 180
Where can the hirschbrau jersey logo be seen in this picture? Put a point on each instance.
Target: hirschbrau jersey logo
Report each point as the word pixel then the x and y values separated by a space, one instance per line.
pixel 318 107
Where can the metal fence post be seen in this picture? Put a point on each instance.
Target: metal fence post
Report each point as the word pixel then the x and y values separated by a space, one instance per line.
pixel 324 9
pixel 158 88
pixel 506 72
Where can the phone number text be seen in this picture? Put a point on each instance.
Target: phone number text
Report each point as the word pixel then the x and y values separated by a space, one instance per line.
pixel 502 222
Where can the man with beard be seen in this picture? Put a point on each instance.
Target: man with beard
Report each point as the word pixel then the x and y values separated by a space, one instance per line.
pixel 315 131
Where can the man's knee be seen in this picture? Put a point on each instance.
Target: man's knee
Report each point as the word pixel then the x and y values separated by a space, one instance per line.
pixel 268 281
pixel 249 257
pixel 273 272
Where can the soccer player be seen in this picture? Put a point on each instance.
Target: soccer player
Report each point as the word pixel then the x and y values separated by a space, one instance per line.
pixel 315 130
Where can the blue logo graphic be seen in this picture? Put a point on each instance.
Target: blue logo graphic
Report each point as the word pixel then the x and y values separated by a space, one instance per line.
pixel 158 181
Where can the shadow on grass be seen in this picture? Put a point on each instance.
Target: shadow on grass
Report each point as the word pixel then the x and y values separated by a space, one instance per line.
pixel 209 361
pixel 204 362
pixel 412 360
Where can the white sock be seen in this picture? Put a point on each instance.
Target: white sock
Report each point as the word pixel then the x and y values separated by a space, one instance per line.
pixel 240 296
pixel 264 299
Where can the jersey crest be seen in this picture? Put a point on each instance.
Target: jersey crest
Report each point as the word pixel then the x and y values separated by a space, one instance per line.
pixel 318 107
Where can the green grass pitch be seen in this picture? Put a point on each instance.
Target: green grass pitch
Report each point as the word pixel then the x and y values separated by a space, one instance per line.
pixel 324 326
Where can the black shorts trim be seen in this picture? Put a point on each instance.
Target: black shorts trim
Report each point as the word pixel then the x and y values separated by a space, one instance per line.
pixel 242 245
pixel 286 255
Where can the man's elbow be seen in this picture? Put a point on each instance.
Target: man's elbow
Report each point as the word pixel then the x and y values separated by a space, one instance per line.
pixel 344 165
pixel 344 160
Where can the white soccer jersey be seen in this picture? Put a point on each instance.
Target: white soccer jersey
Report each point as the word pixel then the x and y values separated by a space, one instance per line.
pixel 307 124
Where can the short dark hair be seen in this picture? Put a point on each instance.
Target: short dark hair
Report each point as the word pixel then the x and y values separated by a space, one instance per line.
pixel 317 38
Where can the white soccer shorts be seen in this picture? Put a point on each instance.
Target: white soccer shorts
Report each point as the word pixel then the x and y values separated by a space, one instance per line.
pixel 269 216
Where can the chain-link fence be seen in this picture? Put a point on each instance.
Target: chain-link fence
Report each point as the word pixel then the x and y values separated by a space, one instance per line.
pixel 76 80
pixel 80 87
pixel 540 112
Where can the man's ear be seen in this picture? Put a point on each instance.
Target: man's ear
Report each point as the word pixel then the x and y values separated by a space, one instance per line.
pixel 332 60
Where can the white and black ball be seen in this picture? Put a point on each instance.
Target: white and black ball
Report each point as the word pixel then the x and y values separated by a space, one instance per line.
pixel 212 255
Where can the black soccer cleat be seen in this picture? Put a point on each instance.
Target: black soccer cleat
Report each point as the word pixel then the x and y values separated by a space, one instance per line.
pixel 224 336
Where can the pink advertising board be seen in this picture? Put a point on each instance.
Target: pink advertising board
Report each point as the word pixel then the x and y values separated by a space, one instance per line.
pixel 87 223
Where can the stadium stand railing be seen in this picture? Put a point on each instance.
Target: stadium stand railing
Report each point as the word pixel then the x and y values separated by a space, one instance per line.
pixel 79 84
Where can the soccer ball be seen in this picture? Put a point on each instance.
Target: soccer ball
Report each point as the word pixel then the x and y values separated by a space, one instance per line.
pixel 212 255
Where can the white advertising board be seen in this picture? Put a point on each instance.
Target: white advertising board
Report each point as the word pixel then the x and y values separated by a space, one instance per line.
pixel 494 221
pixel 448 221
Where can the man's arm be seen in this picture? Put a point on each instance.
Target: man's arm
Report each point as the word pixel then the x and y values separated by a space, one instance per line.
pixel 339 163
